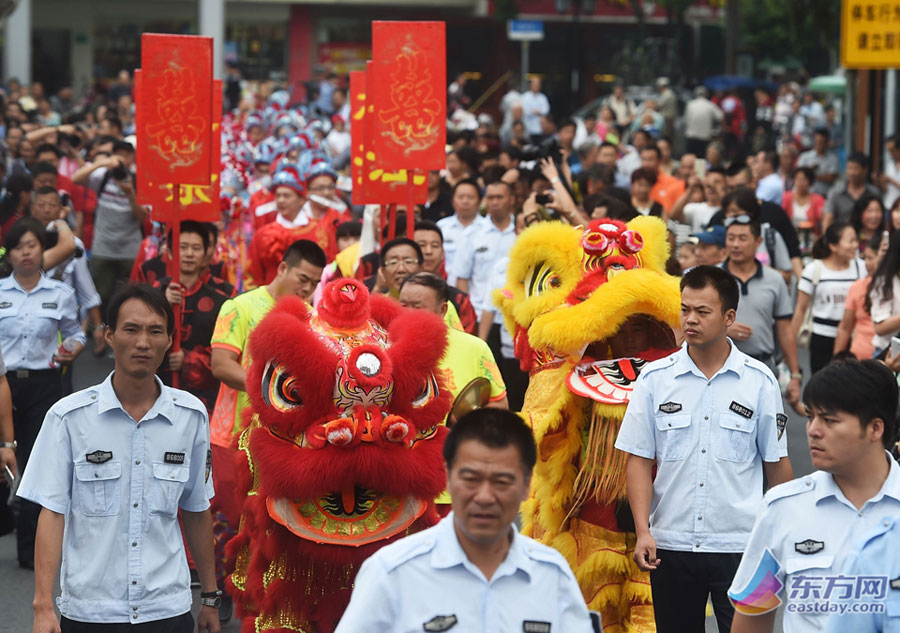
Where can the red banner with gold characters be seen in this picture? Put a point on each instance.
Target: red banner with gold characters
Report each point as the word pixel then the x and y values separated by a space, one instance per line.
pixel 409 94
pixel 372 183
pixel 198 201
pixel 176 107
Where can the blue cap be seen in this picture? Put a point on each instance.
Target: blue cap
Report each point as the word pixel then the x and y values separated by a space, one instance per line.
pixel 712 235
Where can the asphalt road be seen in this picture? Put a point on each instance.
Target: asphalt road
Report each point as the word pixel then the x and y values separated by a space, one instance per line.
pixel 17 585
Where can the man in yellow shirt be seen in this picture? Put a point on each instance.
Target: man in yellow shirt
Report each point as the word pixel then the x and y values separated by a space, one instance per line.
pixel 297 274
pixel 467 356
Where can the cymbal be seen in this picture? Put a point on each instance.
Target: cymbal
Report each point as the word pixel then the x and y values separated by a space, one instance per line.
pixel 474 395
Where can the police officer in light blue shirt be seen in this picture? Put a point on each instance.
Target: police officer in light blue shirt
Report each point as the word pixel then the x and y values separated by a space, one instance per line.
pixel 111 467
pixel 810 549
pixel 473 571
pixel 877 557
pixel 475 259
pixel 35 312
pixel 457 228
pixel 710 419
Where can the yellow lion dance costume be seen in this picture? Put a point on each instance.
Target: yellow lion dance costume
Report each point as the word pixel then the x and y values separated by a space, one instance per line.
pixel 588 308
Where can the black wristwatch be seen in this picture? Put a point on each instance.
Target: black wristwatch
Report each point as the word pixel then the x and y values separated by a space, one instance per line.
pixel 211 598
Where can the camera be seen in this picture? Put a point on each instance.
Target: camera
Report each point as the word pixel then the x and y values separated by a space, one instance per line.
pixel 548 148
pixel 543 199
pixel 119 172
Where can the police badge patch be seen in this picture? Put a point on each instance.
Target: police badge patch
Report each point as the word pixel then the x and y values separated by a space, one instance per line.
pixel 173 458
pixel 895 583
pixel 440 623
pixel 809 546
pixel 781 423
pixel 534 626
pixel 670 407
pixel 741 409
pixel 208 464
pixel 99 457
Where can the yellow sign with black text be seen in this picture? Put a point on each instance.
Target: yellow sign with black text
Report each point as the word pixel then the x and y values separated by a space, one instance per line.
pixel 870 34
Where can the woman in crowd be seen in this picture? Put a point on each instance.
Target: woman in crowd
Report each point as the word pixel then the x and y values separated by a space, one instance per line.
pixel 894 217
pixel 802 206
pixel 606 123
pixel 883 299
pixel 824 284
pixel 458 167
pixel 856 330
pixel 642 181
pixel 36 311
pixel 868 218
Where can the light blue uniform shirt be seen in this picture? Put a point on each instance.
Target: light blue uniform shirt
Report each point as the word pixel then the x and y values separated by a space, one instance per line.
pixel 455 235
pixel 878 554
pixel 75 273
pixel 426 582
pixel 810 529
pixel 476 257
pixel 709 438
pixel 120 484
pixel 30 322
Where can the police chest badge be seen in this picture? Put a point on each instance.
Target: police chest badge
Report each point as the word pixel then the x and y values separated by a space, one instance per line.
pixel 670 407
pixel 49 305
pixel 781 423
pixel 173 458
pixel 535 626
pixel 5 304
pixel 741 410
pixel 809 546
pixel 895 583
pixel 440 623
pixel 99 457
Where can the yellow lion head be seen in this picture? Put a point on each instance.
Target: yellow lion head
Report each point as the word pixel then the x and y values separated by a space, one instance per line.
pixel 597 294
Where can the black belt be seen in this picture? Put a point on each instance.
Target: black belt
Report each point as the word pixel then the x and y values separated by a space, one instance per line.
pixel 29 373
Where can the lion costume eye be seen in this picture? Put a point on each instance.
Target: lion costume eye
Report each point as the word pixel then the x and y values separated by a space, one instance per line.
pixel 280 390
pixel 429 391
pixel 540 279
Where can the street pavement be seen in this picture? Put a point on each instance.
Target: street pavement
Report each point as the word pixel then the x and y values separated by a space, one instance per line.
pixel 17 585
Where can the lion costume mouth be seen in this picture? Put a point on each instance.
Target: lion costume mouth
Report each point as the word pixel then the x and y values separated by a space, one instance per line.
pixel 608 368
pixel 352 517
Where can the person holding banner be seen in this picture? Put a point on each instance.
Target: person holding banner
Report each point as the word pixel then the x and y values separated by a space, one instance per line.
pixel 295 221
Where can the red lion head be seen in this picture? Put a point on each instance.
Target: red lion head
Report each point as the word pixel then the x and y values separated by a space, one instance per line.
pixel 347 449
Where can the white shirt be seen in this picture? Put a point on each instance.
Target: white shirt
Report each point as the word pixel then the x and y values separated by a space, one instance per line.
pixel 476 257
pixel 709 438
pixel 698 215
pixel 892 171
pixel 808 527
pixel 882 310
pixel 426 582
pixel 701 117
pixel 829 296
pixel 455 235
pixel 120 484
pixel 534 106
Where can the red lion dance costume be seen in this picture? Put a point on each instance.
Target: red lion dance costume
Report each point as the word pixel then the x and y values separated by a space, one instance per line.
pixel 342 454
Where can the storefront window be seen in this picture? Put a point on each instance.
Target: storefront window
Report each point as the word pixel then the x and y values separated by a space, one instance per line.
pixel 259 49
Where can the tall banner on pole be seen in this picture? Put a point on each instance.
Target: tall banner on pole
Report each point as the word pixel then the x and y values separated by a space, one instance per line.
pixel 408 93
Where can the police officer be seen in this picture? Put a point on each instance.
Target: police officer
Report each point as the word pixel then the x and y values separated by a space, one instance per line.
pixel 809 528
pixel 114 463
pixel 34 311
pixel 876 556
pixel 710 418
pixel 7 446
pixel 473 571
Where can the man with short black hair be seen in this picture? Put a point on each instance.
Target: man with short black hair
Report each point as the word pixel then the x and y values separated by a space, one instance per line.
pixel 473 569
pixel 823 160
pixel 430 239
pixel 812 531
pixel 709 420
pixel 112 466
pixel 667 189
pixel 466 200
pixel 765 309
pixel 840 201
pixel 117 219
